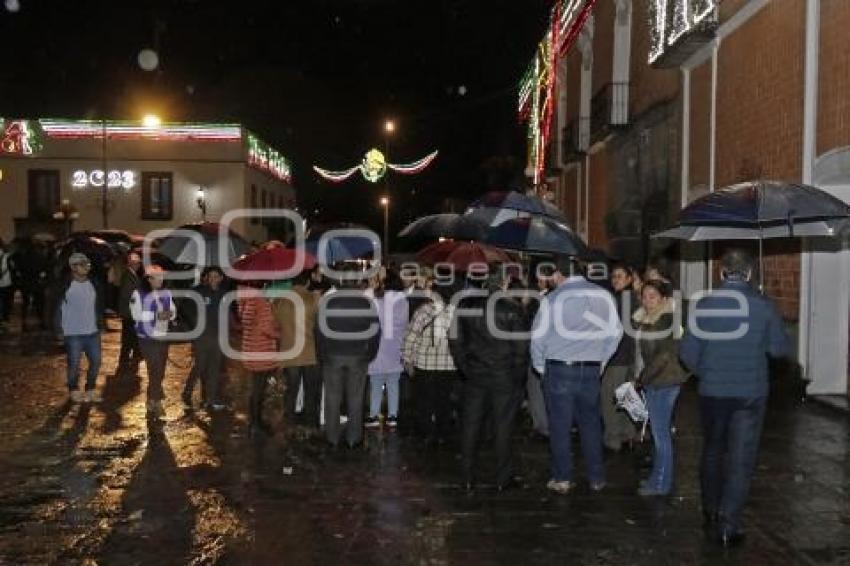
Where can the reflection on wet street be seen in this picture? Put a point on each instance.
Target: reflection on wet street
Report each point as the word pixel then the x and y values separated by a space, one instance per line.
pixel 100 484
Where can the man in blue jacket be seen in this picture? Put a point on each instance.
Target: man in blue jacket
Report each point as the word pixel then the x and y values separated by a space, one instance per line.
pixel 728 351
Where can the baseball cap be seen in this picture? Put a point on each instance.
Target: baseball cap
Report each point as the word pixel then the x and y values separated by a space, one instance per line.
pixel 76 258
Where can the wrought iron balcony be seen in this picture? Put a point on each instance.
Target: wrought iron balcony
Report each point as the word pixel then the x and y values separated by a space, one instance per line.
pixel 609 109
pixel 576 139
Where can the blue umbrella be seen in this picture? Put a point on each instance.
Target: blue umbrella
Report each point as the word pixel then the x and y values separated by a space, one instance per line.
pixel 537 235
pixel 344 246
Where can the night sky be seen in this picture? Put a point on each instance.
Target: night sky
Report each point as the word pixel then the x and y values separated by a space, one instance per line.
pixel 315 78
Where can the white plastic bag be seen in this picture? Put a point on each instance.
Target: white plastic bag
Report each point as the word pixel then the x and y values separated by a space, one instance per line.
pixel 632 402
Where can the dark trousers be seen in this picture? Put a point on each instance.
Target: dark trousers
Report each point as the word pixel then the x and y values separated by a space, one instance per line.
pixel 155 353
pixel 572 395
pixel 483 397
pixel 432 391
pixel 311 377
pixel 259 384
pixel 129 356
pixel 206 367
pixel 731 429
pixel 344 377
pixel 7 297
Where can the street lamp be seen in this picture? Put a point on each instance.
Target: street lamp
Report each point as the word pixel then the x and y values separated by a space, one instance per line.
pixel 385 202
pixel 389 126
pixel 201 200
pixel 68 213
pixel 151 121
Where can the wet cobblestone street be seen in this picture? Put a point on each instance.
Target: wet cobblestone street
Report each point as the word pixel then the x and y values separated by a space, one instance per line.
pixel 101 485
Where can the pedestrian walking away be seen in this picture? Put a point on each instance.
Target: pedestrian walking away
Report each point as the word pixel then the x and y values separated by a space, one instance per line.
pixel 385 370
pixel 259 350
pixel 491 351
pixel 152 308
pixel 79 318
pixel 296 320
pixel 348 337
pixel 733 388
pixel 575 333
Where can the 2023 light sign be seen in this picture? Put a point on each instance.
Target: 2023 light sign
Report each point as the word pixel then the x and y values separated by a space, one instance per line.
pixel 114 179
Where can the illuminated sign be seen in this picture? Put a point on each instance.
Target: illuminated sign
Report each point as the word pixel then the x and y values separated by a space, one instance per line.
pixel 677 28
pixel 265 158
pixel 114 179
pixel 19 137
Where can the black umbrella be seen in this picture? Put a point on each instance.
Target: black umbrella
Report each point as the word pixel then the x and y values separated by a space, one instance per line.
pixel 451 226
pixel 496 207
pixel 537 235
pixel 756 210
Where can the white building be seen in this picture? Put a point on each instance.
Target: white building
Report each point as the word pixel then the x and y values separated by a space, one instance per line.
pixel 155 176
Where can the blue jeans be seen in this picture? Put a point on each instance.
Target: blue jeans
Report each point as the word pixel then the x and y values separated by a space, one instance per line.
pixel 74 347
pixel 731 428
pixel 660 403
pixel 572 394
pixel 377 381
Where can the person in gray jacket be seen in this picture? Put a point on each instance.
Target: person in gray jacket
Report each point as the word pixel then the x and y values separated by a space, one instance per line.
pixel 729 355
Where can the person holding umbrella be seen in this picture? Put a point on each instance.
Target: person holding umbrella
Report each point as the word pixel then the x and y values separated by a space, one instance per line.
pixel 733 387
pixel 152 308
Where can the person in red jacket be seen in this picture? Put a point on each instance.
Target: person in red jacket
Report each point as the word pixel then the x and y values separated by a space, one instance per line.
pixel 259 350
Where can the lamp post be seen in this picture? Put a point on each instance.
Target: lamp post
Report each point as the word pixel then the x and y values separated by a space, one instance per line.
pixel 385 202
pixel 68 213
pixel 389 129
pixel 201 201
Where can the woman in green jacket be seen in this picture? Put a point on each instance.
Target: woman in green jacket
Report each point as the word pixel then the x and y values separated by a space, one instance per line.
pixel 660 374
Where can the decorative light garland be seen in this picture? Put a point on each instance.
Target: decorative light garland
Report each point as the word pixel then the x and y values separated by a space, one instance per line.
pixel 75 129
pixel 264 157
pixel 537 88
pixel 374 166
pixel 671 20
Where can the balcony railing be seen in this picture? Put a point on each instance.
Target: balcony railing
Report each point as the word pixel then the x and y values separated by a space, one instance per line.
pixel 609 109
pixel 576 139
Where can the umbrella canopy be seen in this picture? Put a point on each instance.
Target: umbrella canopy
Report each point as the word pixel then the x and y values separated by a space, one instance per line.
pixel 453 226
pixel 496 207
pixel 97 250
pixel 461 254
pixel 342 247
pixel 540 234
pixel 771 209
pixel 275 259
pixel 183 249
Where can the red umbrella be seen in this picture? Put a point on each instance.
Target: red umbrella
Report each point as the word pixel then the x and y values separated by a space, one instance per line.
pixel 461 254
pixel 275 259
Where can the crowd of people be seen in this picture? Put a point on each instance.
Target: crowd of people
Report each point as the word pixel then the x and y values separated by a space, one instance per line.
pixel 458 354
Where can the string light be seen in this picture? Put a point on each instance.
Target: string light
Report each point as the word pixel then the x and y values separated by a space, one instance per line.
pixel 267 159
pixel 76 129
pixel 374 166
pixel 20 136
pixel 671 20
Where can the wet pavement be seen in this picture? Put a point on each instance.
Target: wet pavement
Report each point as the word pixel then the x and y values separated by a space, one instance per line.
pixel 102 485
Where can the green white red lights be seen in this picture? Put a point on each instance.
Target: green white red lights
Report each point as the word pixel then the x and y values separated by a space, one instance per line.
pixel 81 129
pixel 267 159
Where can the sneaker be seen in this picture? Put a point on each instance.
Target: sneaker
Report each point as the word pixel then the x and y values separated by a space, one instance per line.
pixel 93 396
pixel 561 487
pixel 392 422
pixel 77 396
pixel 597 485
pixel 648 491
pixel 215 407
pixel 372 422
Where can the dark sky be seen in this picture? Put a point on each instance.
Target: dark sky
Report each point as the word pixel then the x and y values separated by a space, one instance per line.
pixel 316 78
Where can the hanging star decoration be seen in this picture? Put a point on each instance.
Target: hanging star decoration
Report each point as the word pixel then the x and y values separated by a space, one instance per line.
pixel 374 166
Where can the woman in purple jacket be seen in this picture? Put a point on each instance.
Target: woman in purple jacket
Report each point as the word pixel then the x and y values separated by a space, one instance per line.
pixel 385 370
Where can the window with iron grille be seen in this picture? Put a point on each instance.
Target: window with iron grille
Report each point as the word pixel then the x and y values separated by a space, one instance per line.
pixel 157 195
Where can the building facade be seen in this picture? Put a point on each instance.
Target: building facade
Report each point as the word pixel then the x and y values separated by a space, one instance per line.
pixel 130 176
pixel 662 101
